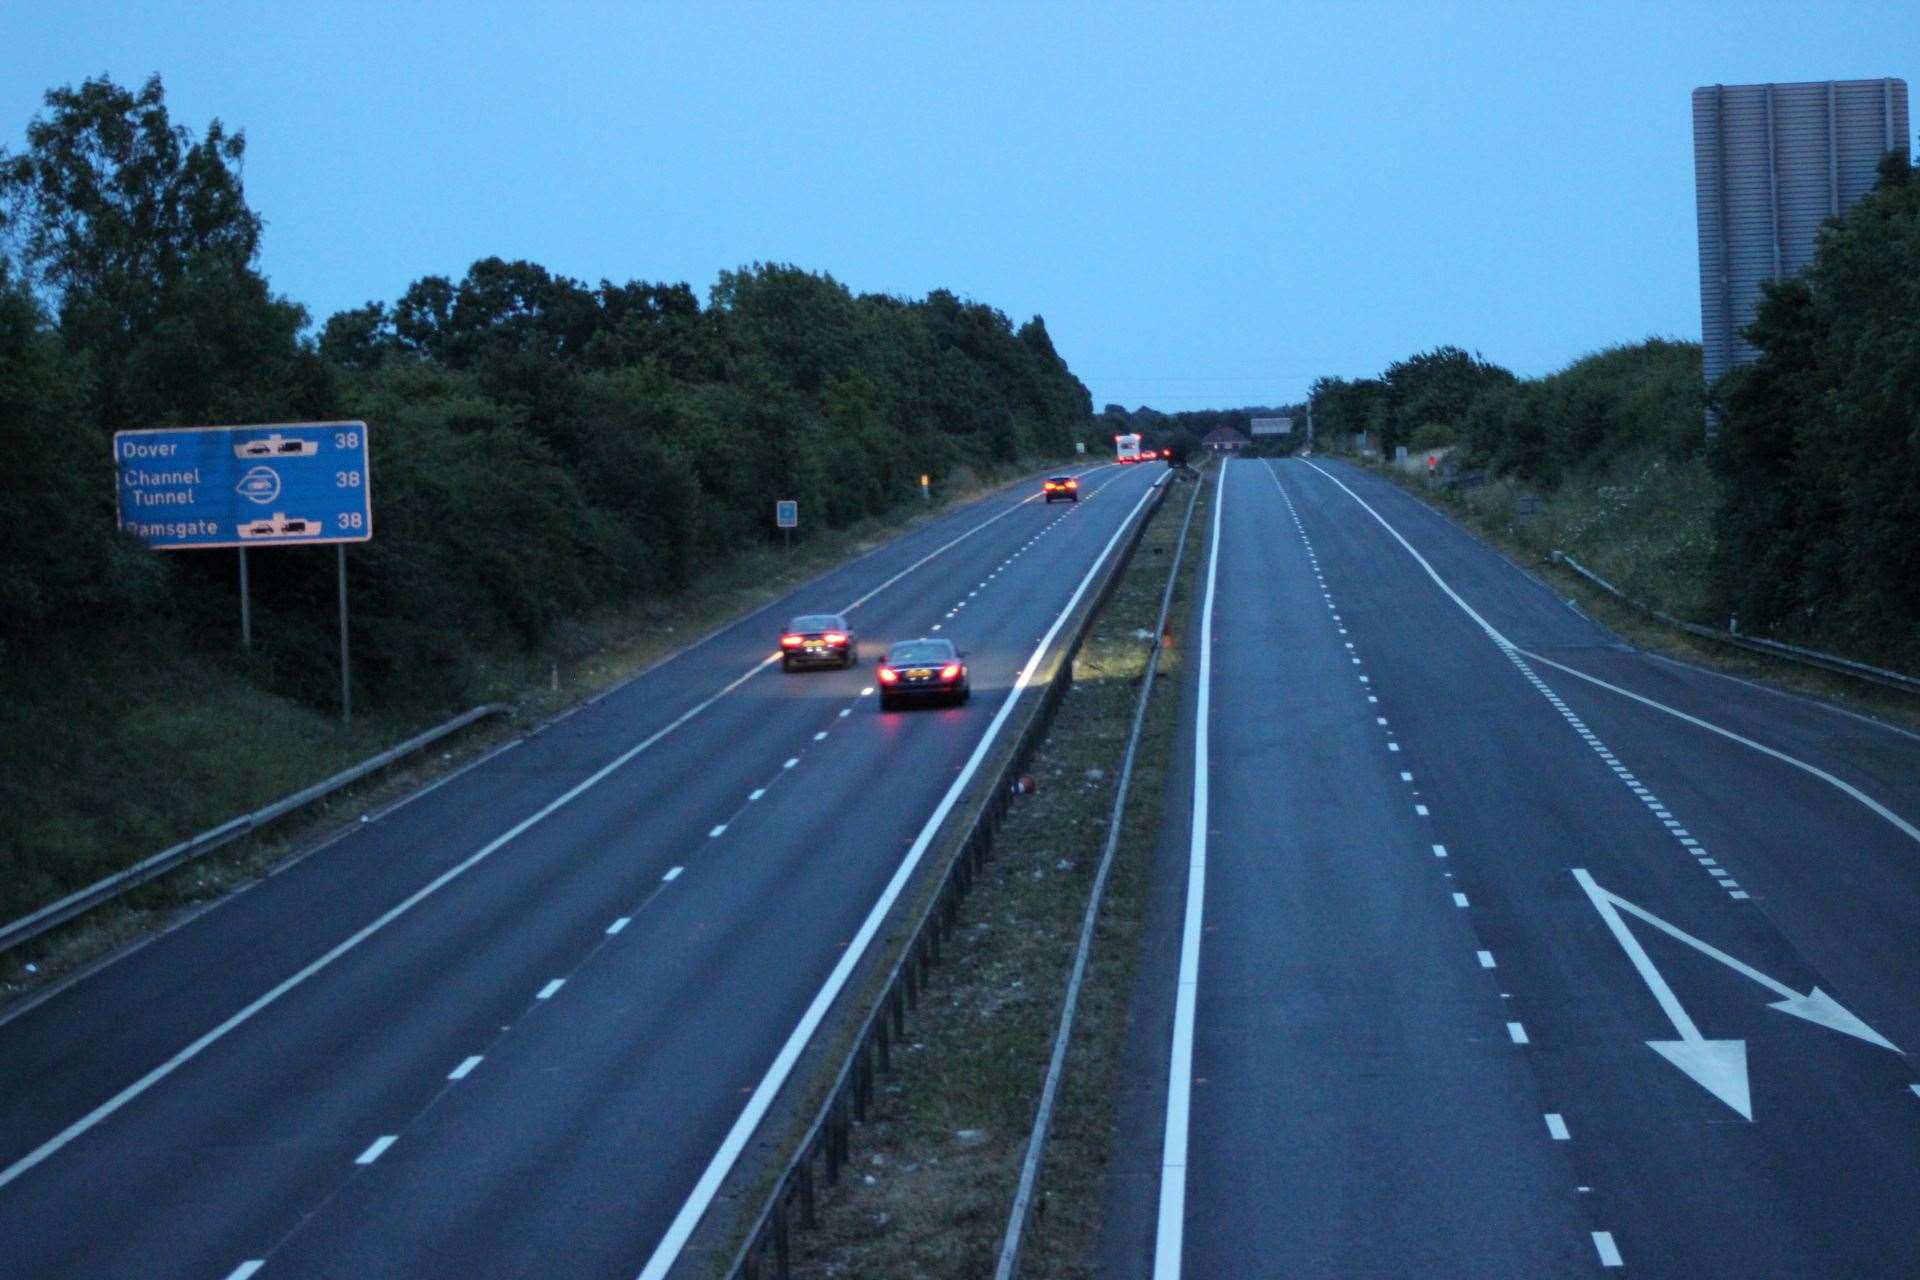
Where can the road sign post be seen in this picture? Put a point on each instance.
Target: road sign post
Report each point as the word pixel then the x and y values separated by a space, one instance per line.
pixel 273 485
pixel 786 514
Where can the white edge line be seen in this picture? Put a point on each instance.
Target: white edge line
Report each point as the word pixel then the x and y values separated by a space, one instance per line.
pixel 1905 827
pixel 681 1229
pixel 273 994
pixel 1170 1234
pixel 247 1012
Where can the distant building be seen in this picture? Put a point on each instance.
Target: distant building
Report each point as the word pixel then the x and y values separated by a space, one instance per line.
pixel 1224 440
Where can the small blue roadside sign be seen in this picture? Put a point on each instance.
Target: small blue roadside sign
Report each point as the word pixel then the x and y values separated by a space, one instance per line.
pixel 786 513
pixel 183 488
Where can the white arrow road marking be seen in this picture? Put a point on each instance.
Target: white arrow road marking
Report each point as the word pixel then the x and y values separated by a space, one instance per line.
pixel 1718 1066
pixel 1816 1006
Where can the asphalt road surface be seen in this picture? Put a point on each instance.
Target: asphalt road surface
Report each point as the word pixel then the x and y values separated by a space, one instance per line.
pixel 513 1026
pixel 1492 946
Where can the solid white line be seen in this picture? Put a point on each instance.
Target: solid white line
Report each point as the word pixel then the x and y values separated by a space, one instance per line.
pixel 465 1069
pixel 673 873
pixel 1517 1033
pixel 433 886
pixel 547 992
pixel 668 1250
pixel 1906 828
pixel 1171 1232
pixel 619 924
pixel 246 1269
pixel 378 1149
pixel 1486 959
pixel 1609 1252
pixel 1557 1126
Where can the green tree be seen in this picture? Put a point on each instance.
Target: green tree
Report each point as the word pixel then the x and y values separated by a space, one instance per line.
pixel 139 235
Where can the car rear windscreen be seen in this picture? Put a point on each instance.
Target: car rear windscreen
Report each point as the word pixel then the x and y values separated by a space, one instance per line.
pixel 923 652
pixel 817 622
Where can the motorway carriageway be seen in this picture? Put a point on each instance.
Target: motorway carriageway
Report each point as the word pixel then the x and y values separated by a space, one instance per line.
pixel 1490 946
pixel 520 1023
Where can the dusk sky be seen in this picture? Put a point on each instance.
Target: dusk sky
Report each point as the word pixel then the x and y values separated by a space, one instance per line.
pixel 1210 204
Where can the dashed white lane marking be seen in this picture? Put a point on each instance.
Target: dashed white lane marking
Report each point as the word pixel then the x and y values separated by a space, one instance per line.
pixel 845 712
pixel 717 832
pixel 666 1253
pixel 867 692
pixel 465 1069
pixel 936 626
pixel 1420 809
pixel 1439 851
pixel 1486 959
pixel 1905 827
pixel 1557 1126
pixel 1916 1089
pixel 1379 719
pixel 820 736
pixel 246 1269
pixel 791 762
pixel 1405 776
pixel 547 992
pixel 673 873
pixel 757 792
pixel 1393 746
pixel 621 923
pixel 1609 1251
pixel 1459 899
pixel 378 1149
pixel 1516 1033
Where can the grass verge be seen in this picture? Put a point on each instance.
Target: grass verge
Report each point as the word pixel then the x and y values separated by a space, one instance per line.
pixel 935 1167
pixel 109 752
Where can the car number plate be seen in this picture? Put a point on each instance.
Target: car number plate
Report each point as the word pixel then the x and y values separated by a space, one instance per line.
pixel 919 673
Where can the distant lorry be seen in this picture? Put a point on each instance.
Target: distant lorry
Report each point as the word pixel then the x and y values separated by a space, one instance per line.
pixel 1127 448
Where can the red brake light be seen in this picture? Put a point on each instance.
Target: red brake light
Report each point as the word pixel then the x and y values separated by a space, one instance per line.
pixel 835 637
pixel 792 642
pixel 887 675
pixel 950 672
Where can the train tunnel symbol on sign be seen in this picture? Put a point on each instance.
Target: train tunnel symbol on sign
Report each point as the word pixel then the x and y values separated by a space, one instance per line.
pixel 261 485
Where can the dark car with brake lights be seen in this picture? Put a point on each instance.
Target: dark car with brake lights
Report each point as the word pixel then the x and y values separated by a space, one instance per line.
pixel 1064 488
pixel 818 640
pixel 922 670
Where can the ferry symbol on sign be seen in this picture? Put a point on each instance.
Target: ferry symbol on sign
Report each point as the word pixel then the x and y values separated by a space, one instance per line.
pixel 261 485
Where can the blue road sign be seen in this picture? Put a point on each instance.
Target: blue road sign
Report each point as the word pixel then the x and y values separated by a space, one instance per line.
pixel 786 513
pixel 268 486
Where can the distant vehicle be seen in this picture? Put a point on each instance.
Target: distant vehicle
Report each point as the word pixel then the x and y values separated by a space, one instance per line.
pixel 280 527
pixel 922 670
pixel 276 446
pixel 1126 448
pixel 1063 488
pixel 818 640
